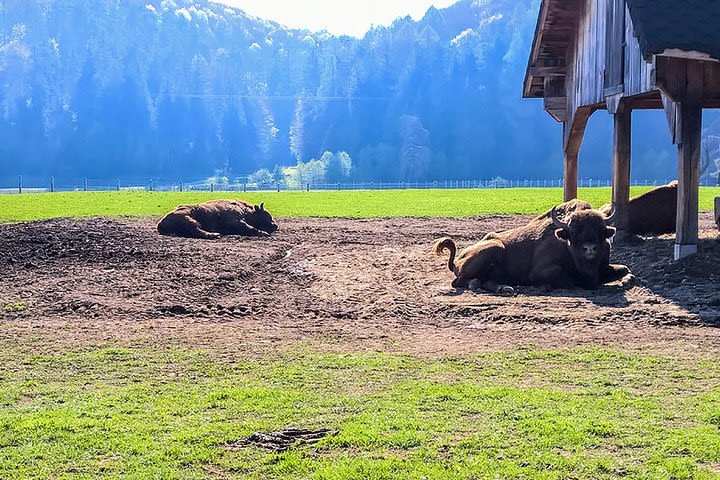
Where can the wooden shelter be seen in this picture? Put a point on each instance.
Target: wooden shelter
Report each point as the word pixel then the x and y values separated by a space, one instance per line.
pixel 623 55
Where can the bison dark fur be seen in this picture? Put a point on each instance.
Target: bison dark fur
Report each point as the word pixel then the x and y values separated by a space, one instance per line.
pixel 216 218
pixel 547 252
pixel 652 213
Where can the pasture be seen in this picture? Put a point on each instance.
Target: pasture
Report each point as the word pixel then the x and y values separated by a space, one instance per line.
pixel 342 204
pixel 128 355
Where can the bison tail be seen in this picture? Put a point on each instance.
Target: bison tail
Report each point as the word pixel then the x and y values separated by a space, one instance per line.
pixel 446 244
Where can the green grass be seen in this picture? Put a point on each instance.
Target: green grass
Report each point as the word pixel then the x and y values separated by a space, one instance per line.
pixel 580 413
pixel 14 307
pixel 351 204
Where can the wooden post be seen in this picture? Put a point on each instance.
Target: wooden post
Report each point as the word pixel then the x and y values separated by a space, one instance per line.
pixel 573 134
pixel 570 181
pixel 717 211
pixel 621 166
pixel 688 179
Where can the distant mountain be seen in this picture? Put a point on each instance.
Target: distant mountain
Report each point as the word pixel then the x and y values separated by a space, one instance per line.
pixel 188 89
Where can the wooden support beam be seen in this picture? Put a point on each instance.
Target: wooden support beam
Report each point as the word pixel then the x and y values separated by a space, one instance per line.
pixel 573 135
pixel 671 111
pixel 622 142
pixel 570 176
pixel 717 211
pixel 686 242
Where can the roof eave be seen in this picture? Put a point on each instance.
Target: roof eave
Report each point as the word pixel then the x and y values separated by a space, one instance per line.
pixel 537 40
pixel 688 54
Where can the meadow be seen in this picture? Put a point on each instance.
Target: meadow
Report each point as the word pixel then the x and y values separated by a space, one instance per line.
pixel 332 204
pixel 533 414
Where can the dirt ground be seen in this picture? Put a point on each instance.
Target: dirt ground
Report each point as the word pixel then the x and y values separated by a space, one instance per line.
pixel 368 284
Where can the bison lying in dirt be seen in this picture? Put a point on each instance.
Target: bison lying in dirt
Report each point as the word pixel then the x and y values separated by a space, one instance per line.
pixel 567 247
pixel 653 212
pixel 216 218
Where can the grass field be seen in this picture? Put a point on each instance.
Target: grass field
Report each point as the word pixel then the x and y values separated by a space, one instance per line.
pixel 579 413
pixel 165 412
pixel 350 204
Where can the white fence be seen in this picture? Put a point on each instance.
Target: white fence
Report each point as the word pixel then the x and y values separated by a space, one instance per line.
pixel 165 185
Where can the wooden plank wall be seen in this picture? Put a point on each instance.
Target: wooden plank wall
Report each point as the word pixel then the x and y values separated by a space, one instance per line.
pixel 638 73
pixel 585 82
pixel 614 48
pixel 586 65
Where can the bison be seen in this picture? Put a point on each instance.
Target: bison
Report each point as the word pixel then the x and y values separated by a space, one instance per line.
pixel 567 247
pixel 653 212
pixel 213 219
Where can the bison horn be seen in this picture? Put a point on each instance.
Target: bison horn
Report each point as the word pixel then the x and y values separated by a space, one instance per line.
pixel 262 207
pixel 558 223
pixel 610 219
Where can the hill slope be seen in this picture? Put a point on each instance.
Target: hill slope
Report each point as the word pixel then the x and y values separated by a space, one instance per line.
pixel 185 89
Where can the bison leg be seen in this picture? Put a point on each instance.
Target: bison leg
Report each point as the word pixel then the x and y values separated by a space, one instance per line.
pixel 476 265
pixel 498 288
pixel 554 277
pixel 242 228
pixel 185 226
pixel 613 273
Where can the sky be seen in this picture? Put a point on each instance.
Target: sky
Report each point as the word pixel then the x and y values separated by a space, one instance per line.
pixel 340 17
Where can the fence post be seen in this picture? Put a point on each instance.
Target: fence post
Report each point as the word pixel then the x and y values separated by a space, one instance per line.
pixel 19 183
pixel 244 187
pixel 212 188
pixel 151 185
pixel 117 184
pixel 307 186
pixel 52 184
pixel 182 185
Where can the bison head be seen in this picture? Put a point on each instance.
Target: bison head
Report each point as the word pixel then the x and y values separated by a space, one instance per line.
pixel 587 234
pixel 262 220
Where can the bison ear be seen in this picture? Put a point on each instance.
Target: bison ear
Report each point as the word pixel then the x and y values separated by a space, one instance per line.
pixel 610 232
pixel 562 234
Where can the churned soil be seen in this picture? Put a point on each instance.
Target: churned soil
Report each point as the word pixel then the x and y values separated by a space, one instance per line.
pixel 367 284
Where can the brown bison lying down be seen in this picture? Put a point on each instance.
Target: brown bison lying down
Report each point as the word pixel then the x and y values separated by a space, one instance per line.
pixel 653 212
pixel 216 218
pixel 567 247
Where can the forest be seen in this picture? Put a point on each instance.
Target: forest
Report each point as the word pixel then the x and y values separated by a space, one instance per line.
pixel 187 90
